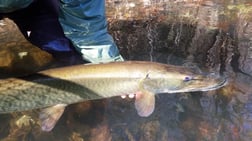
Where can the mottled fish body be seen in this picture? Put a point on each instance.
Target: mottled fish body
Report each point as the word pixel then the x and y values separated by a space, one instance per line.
pixel 62 86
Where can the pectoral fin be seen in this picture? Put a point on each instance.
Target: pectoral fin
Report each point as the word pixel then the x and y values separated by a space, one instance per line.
pixel 49 116
pixel 145 103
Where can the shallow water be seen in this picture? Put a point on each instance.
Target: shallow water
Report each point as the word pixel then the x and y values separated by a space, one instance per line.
pixel 208 35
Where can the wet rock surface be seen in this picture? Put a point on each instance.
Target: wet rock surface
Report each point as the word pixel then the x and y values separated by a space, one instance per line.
pixel 207 35
pixel 17 55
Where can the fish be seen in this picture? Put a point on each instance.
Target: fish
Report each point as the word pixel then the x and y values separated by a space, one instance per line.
pixel 53 89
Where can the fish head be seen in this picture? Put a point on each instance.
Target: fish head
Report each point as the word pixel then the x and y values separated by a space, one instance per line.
pixel 175 79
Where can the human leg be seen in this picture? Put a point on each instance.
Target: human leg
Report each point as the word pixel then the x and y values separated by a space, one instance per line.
pixel 84 23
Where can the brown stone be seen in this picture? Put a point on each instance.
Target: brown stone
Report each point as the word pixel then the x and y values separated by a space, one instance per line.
pixel 17 55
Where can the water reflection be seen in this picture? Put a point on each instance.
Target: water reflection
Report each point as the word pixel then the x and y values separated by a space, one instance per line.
pixel 212 35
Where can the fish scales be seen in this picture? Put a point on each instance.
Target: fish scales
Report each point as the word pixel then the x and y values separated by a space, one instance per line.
pixel 20 94
pixel 23 95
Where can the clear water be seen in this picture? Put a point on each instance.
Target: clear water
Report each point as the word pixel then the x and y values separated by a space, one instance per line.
pixel 209 35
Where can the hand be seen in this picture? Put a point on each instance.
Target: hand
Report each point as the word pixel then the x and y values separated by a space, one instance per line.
pixel 129 95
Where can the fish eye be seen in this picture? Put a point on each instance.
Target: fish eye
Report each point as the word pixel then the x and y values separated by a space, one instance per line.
pixel 187 78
